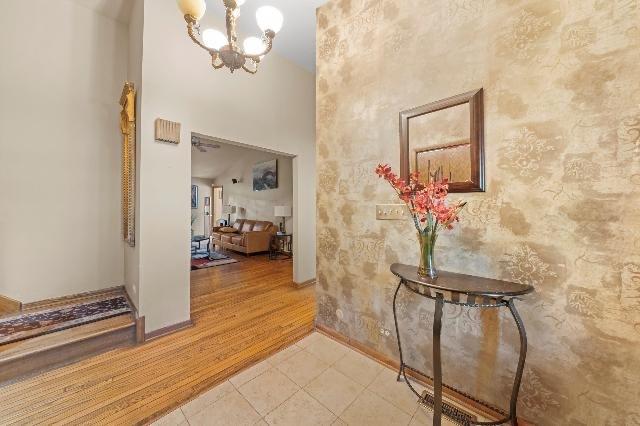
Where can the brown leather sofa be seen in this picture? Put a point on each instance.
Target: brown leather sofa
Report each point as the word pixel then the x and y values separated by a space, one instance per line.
pixel 250 236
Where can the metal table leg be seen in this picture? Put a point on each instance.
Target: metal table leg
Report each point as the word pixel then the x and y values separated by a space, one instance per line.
pixel 523 355
pixel 395 320
pixel 437 362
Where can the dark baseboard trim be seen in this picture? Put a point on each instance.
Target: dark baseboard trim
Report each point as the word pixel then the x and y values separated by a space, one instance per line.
pixel 306 283
pixel 451 393
pixel 168 330
pixel 140 335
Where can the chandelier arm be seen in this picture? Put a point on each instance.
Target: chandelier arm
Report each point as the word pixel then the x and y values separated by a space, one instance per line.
pixel 269 40
pixel 214 56
pixel 192 26
pixel 249 70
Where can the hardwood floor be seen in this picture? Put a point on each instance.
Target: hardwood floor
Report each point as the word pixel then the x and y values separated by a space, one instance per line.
pixel 242 312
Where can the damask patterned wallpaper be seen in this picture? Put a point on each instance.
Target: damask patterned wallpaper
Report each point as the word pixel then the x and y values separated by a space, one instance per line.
pixel 562 209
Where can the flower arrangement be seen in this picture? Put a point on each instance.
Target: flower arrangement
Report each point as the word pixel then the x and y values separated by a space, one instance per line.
pixel 429 209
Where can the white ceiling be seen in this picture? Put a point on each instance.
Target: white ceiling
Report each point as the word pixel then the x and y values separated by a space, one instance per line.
pixel 297 39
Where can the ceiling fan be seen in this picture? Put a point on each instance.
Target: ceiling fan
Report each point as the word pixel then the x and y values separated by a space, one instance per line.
pixel 203 146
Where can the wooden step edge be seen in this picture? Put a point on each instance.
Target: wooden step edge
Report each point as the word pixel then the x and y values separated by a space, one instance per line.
pixel 62 343
pixel 74 299
pixel 9 306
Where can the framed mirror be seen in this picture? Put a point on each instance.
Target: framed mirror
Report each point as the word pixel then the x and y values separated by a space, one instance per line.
pixel 445 139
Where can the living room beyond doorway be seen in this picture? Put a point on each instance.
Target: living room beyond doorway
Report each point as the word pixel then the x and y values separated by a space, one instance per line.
pixel 241 204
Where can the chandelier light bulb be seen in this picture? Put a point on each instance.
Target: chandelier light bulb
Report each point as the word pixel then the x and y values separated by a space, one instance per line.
pixel 214 39
pixel 253 46
pixel 195 8
pixel 269 18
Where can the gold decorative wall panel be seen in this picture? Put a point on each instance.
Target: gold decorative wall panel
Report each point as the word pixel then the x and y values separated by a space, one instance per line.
pixel 128 129
pixel 561 207
pixel 167 131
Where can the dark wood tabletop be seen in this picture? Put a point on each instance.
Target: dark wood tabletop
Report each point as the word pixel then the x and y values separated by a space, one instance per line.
pixel 461 283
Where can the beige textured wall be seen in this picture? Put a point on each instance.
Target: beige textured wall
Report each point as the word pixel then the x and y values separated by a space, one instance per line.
pixel 63 66
pixel 258 205
pixel 562 100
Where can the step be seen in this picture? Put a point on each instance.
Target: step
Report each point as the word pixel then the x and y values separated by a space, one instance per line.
pixel 26 358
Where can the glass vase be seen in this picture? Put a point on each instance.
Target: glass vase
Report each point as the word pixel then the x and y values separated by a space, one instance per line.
pixel 427 266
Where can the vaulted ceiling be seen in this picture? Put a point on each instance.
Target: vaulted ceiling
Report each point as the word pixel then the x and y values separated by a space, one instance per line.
pixel 297 39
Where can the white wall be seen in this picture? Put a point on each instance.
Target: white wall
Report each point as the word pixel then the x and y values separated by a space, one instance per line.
pixel 204 190
pixel 134 75
pixel 61 76
pixel 274 109
pixel 258 205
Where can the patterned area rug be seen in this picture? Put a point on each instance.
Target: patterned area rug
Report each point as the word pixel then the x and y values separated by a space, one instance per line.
pixel 31 324
pixel 213 259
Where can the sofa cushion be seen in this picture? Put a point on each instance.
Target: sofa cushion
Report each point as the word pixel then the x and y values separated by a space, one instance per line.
pixel 226 238
pixel 261 226
pixel 247 226
pixel 238 224
pixel 228 230
pixel 216 236
pixel 237 240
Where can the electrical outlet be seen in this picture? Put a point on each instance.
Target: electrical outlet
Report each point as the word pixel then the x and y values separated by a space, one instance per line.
pixel 391 212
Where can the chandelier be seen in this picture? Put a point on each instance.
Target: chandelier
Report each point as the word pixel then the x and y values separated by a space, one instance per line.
pixel 224 49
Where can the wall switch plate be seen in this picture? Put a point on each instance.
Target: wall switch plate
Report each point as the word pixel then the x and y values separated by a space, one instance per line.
pixel 391 212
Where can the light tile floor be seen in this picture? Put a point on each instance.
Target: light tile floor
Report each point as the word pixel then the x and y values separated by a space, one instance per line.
pixel 316 381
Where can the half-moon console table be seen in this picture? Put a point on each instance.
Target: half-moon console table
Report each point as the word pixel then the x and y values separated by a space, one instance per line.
pixel 464 290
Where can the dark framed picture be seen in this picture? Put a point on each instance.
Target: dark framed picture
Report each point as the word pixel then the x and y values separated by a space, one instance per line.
pixel 265 175
pixel 194 196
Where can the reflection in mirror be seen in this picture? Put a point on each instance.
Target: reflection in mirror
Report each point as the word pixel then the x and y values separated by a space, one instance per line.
pixel 440 145
pixel 444 140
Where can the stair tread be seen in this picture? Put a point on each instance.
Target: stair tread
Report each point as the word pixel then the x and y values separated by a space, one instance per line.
pixel 71 300
pixel 64 337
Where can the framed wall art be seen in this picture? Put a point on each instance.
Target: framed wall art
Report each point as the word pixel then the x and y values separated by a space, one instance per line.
pixel 265 175
pixel 194 196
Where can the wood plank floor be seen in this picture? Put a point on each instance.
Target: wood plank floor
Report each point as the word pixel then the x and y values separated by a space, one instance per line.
pixel 242 313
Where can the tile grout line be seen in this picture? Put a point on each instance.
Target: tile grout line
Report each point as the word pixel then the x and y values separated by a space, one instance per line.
pixel 331 366
pixel 302 388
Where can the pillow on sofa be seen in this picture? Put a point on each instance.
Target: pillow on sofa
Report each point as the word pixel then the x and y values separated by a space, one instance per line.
pixel 228 230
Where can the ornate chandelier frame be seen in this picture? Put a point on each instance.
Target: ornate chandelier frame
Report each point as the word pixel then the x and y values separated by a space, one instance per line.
pixel 231 55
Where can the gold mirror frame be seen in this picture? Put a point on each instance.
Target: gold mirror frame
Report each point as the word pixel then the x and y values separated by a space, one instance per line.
pixel 128 158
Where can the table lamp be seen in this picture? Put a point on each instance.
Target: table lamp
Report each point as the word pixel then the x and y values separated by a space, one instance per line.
pixel 228 210
pixel 283 212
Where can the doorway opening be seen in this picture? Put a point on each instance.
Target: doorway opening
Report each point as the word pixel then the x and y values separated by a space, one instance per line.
pixel 247 212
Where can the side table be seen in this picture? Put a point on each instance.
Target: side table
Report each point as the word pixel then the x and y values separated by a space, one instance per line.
pixel 280 245
pixel 464 290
